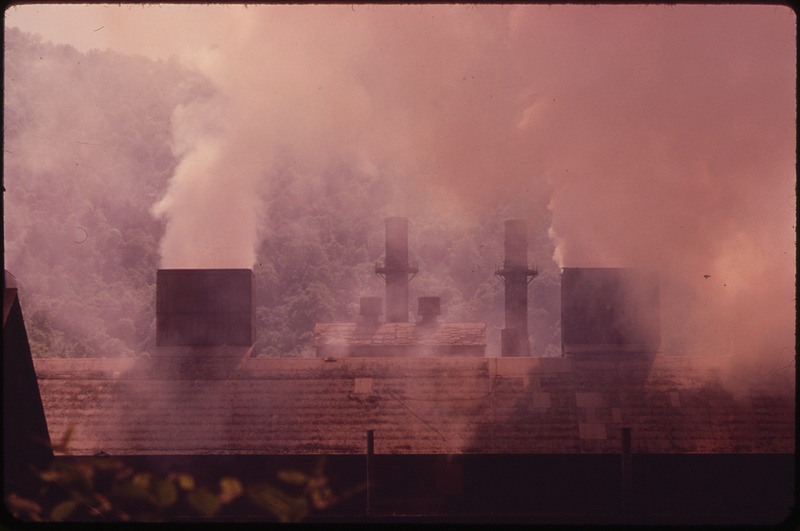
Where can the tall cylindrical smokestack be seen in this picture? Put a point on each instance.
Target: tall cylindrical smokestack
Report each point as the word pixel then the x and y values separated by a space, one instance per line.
pixel 396 242
pixel 515 275
pixel 516 244
pixel 396 270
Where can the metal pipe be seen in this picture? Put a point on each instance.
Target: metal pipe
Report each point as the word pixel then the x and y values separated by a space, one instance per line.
pixel 370 470
pixel 627 472
pixel 396 270
pixel 516 276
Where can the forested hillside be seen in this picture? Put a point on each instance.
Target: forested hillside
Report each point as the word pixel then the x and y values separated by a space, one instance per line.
pixel 87 153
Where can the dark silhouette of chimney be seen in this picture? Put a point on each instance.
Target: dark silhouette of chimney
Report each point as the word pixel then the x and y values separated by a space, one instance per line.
pixel 205 307
pixel 396 270
pixel 516 276
pixel 429 309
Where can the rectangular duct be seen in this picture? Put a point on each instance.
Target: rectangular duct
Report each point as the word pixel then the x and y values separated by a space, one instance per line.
pixel 610 310
pixel 205 307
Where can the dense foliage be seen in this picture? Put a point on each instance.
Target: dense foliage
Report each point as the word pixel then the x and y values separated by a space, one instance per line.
pixel 87 154
pixel 110 489
pixel 87 151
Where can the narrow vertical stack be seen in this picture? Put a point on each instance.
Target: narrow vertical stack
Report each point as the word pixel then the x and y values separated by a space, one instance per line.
pixel 396 270
pixel 516 276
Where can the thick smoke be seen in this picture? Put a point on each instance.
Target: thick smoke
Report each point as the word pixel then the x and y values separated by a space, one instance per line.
pixel 661 137
pixel 287 98
pixel 664 133
pixel 678 156
pixel 422 93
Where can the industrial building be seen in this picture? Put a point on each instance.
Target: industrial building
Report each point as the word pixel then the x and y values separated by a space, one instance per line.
pixel 397 336
pixel 611 432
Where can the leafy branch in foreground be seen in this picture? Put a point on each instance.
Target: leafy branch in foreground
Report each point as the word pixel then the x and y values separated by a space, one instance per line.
pixel 107 489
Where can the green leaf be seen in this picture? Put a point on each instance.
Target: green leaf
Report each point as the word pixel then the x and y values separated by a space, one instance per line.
pixel 142 480
pixel 230 489
pixel 130 490
pixel 204 502
pixel 186 481
pixel 293 477
pixel 269 498
pixel 19 505
pixel 49 476
pixel 63 510
pixel 102 503
pixel 106 464
pixel 164 492
pixel 322 498
pixel 85 473
pixel 284 507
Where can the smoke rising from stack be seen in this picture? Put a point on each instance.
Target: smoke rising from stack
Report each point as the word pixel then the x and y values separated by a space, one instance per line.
pixel 693 177
pixel 662 137
pixel 665 134
pixel 393 90
pixel 281 102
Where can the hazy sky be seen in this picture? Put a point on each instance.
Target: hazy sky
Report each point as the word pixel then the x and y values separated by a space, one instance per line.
pixel 661 136
pixel 156 31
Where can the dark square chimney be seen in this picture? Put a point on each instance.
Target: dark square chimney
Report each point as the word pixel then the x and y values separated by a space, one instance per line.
pixel 205 307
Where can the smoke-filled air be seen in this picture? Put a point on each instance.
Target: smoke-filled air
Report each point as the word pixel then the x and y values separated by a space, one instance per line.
pixel 278 138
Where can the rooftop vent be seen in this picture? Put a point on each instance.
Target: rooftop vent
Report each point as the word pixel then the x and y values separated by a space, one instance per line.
pixel 429 308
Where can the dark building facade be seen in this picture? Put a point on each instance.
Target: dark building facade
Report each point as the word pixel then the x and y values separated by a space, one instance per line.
pixel 610 310
pixel 26 440
pixel 205 307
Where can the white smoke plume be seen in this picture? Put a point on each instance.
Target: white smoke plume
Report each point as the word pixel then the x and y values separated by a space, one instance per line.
pixel 660 136
pixel 279 103
pixel 665 134
pixel 679 157
pixel 420 93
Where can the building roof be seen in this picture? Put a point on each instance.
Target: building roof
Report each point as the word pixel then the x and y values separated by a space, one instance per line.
pixel 204 404
pixel 399 334
pixel 25 435
pixel 9 294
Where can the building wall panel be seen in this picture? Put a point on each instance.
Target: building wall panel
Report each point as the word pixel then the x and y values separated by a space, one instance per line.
pixel 610 309
pixel 205 307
